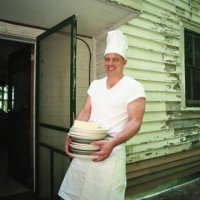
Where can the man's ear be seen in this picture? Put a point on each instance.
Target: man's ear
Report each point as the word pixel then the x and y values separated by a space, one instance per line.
pixel 125 62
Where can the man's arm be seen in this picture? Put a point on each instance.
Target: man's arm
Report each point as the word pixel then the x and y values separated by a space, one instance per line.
pixel 83 115
pixel 136 110
pixel 85 112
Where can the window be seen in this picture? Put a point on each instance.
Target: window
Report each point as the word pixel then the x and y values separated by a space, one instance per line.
pixel 4 98
pixel 192 68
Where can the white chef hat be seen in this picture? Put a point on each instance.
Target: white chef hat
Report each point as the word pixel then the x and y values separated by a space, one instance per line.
pixel 116 43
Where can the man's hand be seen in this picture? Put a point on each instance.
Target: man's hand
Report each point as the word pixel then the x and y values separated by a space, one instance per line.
pixel 67 142
pixel 105 149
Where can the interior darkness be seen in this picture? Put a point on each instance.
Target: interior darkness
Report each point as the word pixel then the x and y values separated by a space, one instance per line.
pixel 16 167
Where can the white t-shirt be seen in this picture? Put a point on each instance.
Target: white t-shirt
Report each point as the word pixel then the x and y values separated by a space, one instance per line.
pixel 109 106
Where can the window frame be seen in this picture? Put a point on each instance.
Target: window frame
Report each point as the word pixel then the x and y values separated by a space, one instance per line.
pixel 193 28
pixel 191 68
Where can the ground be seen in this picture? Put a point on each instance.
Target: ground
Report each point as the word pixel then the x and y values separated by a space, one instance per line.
pixel 187 191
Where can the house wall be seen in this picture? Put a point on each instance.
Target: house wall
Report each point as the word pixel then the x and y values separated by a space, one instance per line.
pixel 155 59
pixel 168 144
pixel 84 64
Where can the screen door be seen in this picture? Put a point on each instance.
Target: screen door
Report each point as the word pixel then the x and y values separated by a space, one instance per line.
pixel 55 104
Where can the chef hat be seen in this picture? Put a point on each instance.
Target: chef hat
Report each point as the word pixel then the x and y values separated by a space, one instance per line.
pixel 116 43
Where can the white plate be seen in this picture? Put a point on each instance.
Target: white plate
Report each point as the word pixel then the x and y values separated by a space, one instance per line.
pixel 82 156
pixel 84 147
pixel 99 130
pixel 87 137
pixel 82 152
pixel 80 144
pixel 82 141
pixel 87 133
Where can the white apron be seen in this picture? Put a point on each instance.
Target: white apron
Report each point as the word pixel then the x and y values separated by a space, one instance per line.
pixel 89 180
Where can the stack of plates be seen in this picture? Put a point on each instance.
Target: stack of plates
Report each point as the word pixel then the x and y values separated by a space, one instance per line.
pixel 81 139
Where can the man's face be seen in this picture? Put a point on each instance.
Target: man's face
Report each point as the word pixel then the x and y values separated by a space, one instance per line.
pixel 114 64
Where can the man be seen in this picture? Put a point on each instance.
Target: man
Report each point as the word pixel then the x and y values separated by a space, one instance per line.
pixel 116 103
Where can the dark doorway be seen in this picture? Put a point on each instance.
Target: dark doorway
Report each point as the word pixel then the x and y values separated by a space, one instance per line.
pixel 16 111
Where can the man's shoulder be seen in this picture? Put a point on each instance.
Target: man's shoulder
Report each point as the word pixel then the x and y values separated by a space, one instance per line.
pixel 97 84
pixel 131 81
pixel 99 81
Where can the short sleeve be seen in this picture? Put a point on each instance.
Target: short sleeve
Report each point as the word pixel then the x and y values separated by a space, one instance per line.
pixel 136 90
pixel 91 88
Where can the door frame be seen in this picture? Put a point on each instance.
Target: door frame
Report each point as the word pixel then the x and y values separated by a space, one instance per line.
pixel 72 22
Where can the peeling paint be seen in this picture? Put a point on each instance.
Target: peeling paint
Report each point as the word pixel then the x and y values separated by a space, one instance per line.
pixel 177 86
pixel 170 67
pixel 174 75
pixel 133 4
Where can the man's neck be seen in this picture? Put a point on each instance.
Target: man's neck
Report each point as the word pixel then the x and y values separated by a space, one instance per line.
pixel 113 80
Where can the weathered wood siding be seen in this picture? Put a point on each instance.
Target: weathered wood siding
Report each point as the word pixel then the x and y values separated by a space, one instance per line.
pixel 154 58
pixel 169 138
